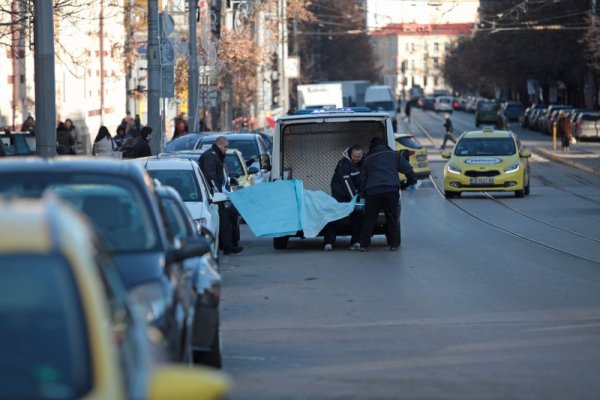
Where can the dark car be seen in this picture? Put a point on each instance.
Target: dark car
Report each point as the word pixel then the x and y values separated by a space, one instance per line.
pixel 487 113
pixel 251 145
pixel 428 103
pixel 513 110
pixel 118 198
pixel 200 300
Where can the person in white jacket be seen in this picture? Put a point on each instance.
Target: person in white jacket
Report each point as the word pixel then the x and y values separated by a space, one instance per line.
pixel 104 146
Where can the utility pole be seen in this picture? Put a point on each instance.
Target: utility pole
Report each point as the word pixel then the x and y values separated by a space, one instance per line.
pixel 45 90
pixel 193 67
pixel 590 75
pixel 101 34
pixel 154 67
pixel 284 101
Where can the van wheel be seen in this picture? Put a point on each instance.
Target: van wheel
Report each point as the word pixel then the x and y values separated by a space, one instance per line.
pixel 280 243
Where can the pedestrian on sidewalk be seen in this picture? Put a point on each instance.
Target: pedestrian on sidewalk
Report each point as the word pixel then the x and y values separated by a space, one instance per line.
pixel 103 144
pixel 449 128
pixel 380 183
pixel 565 131
pixel 344 186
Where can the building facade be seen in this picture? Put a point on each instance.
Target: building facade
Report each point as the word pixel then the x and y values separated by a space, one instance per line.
pixel 411 54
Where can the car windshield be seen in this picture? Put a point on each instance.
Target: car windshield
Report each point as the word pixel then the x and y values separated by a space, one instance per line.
pixel 234 165
pixel 119 211
pixel 45 352
pixel 184 181
pixel 487 106
pixel 485 147
pixel 409 142
pixel 248 147
pixel 381 105
pixel 185 142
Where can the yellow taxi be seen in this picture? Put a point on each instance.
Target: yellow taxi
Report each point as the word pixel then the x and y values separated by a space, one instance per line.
pixel 487 160
pixel 67 325
pixel 235 165
pixel 410 147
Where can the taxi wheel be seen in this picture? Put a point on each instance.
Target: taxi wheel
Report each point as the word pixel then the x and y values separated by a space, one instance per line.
pixel 519 193
pixel 449 194
pixel 527 188
pixel 280 243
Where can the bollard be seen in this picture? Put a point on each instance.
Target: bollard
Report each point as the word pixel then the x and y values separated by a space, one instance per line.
pixel 554 135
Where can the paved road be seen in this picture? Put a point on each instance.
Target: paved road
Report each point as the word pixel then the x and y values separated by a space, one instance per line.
pixel 489 298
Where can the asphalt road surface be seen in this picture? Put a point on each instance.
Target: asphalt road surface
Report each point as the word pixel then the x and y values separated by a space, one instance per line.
pixel 489 297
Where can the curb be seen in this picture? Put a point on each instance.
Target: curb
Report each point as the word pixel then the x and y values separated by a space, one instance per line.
pixel 551 156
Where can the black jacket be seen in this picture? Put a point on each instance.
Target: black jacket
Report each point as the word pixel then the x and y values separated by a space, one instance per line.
pixel 346 172
pixel 211 164
pixel 380 167
pixel 448 125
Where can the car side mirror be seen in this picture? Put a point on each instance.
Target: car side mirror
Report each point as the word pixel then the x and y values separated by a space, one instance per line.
pixel 249 162
pixel 196 247
pixel 253 170
pixel 265 162
pixel 233 181
pixel 525 153
pixel 219 197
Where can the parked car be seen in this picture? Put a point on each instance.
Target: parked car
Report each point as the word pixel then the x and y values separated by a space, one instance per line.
pixel 69 328
pixel 487 160
pixel 118 198
pixel 186 142
pixel 253 148
pixel 587 125
pixel 187 179
pixel 200 300
pixel 528 115
pixel 17 144
pixel 428 103
pixel 415 153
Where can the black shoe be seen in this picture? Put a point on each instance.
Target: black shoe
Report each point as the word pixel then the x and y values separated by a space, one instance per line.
pixel 232 250
pixel 393 248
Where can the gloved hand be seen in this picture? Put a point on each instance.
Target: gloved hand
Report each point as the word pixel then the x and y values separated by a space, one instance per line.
pixel 403 185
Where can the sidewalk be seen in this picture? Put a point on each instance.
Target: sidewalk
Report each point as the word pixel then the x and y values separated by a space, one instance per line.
pixel 583 159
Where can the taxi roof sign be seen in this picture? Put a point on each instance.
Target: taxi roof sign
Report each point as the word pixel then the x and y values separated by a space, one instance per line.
pixel 305 111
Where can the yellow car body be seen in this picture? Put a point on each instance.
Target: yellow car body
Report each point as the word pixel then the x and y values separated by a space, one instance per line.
pixel 487 160
pixel 417 155
pixel 83 340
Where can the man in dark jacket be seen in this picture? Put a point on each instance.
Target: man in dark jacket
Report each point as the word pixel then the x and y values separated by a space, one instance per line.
pixel 344 186
pixel 380 185
pixel 211 163
pixel 141 148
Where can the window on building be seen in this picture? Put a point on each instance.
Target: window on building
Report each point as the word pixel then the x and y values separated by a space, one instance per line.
pixel 425 81
pixel 412 47
pixel 407 47
pixel 425 65
pixel 412 64
pixel 447 46
pixel 435 81
pixel 436 62
pixel 436 46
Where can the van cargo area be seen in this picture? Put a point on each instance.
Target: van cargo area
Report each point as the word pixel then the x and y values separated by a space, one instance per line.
pixel 310 151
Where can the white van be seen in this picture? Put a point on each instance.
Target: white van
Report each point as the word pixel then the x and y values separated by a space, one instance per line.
pixel 381 98
pixel 309 146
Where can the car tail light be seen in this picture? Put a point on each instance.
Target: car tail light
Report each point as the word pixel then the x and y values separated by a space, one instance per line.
pixel 455 104
pixel 420 102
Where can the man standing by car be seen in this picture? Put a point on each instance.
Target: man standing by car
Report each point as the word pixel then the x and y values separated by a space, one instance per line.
pixel 381 186
pixel 344 186
pixel 211 163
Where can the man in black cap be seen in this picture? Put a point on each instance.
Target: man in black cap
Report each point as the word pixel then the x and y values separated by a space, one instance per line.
pixel 380 185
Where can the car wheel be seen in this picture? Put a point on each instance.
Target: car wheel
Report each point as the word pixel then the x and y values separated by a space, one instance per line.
pixel 210 358
pixel 527 188
pixel 280 243
pixel 448 194
pixel 519 193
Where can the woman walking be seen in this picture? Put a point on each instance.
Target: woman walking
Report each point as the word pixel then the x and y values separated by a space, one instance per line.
pixel 104 145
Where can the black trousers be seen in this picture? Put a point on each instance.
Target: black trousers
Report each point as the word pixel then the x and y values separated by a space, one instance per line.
pixel 388 202
pixel 448 136
pixel 229 226
pixel 330 230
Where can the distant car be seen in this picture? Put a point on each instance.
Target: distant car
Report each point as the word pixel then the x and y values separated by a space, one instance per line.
pixel 487 113
pixel 513 111
pixel 200 300
pixel 487 160
pixel 185 142
pixel 587 125
pixel 428 103
pixel 251 145
pixel 118 198
pixel 416 153
pixel 444 104
pixel 69 328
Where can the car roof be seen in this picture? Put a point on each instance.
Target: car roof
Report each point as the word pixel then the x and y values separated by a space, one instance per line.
pixel 160 162
pixel 233 135
pixel 70 164
pixel 333 115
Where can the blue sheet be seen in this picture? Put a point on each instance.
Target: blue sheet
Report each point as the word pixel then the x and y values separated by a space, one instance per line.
pixel 283 207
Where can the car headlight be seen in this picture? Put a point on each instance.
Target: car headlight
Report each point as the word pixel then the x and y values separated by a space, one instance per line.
pixel 513 167
pixel 453 168
pixel 151 300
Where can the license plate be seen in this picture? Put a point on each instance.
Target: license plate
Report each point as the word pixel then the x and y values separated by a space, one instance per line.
pixel 420 158
pixel 482 181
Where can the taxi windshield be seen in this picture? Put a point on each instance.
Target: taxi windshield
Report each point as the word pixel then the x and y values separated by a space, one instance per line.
pixel 485 147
